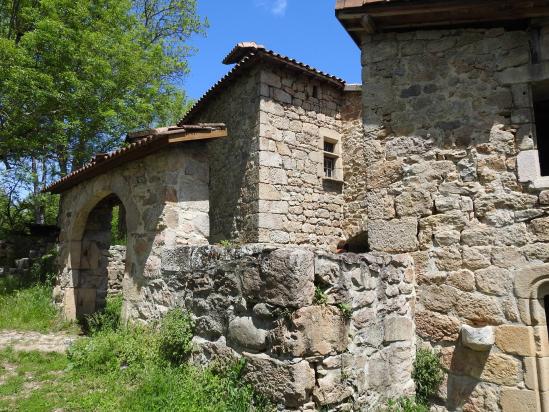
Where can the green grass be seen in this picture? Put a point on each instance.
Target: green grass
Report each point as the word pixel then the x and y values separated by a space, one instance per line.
pixel 29 308
pixel 125 369
pixel 46 382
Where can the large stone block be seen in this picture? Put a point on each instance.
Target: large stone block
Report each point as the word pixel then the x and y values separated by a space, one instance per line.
pixel 314 330
pixel 288 383
pixel 398 329
pixel 493 281
pixel 477 339
pixel 514 400
pixel 397 235
pixel 436 327
pixel 286 278
pixel 515 339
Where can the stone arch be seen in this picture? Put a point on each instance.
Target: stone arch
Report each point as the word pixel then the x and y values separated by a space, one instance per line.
pixel 90 242
pixel 82 298
pixel 532 290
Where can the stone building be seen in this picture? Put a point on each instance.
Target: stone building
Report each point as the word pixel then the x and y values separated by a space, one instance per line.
pixel 435 172
pixel 455 135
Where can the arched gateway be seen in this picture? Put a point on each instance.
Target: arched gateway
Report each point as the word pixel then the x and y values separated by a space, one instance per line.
pixel 160 182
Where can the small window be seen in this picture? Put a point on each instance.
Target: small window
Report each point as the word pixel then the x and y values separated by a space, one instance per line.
pixel 329 147
pixel 541 113
pixel 315 92
pixel 546 307
pixel 329 167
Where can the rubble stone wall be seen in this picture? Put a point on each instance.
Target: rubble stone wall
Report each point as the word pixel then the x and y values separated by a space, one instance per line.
pixel 257 301
pixel 446 115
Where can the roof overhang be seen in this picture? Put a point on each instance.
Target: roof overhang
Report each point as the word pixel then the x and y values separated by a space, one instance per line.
pixel 145 143
pixel 370 16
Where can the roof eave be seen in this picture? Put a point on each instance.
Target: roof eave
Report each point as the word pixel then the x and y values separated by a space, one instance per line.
pixel 360 17
pixel 136 151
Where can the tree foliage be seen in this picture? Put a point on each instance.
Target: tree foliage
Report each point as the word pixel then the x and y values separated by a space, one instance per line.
pixel 75 75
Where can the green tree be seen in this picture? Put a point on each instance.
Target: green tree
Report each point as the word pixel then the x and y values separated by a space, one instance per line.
pixel 75 75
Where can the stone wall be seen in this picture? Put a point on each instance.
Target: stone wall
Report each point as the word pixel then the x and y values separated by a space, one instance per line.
pixel 258 302
pixel 234 161
pixel 165 196
pixel 297 204
pixel 267 180
pixel 446 116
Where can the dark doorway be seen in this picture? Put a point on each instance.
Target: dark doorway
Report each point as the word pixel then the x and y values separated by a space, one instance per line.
pixel 105 227
pixel 541 112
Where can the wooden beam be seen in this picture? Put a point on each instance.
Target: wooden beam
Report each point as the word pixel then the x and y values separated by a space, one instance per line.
pixel 216 134
pixel 367 22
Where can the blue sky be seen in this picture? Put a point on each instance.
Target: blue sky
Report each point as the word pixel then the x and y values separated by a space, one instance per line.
pixel 306 30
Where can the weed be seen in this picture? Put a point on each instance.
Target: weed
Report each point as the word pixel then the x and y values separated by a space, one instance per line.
pixel 346 310
pixel 107 320
pixel 405 404
pixel 176 333
pixel 320 298
pixel 226 243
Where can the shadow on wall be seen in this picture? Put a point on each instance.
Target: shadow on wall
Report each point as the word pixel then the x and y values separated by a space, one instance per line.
pixel 467 367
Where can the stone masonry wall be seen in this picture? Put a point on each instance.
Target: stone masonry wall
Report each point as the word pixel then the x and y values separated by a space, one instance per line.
pixel 297 205
pixel 257 302
pixel 234 161
pixel 165 196
pixel 444 123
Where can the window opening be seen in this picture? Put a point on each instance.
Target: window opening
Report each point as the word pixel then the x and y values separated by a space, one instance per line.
pixel 546 307
pixel 541 113
pixel 329 166
pixel 315 92
pixel 329 147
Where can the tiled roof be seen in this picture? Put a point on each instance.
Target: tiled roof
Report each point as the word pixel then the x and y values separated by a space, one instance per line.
pixel 245 55
pixel 141 144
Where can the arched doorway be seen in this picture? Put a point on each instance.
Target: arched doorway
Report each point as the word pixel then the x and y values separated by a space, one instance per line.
pixel 532 291
pixel 105 227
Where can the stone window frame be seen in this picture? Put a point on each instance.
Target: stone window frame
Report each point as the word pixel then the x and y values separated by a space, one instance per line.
pixel 334 139
pixel 528 163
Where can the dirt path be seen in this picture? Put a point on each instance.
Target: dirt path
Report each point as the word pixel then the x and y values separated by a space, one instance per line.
pixel 35 341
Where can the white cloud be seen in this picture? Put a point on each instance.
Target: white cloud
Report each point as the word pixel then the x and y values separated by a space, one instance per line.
pixel 276 7
pixel 279 7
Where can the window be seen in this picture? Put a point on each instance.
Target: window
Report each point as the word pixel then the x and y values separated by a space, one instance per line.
pixel 329 167
pixel 315 92
pixel 331 159
pixel 541 113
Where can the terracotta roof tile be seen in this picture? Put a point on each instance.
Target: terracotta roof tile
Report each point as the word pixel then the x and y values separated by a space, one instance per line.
pixel 245 55
pixel 144 143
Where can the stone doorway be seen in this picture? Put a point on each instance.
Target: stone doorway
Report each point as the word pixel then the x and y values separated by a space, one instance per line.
pixel 105 227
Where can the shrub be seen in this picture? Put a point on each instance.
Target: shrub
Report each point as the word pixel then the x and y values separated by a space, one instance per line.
pixel 427 375
pixel 175 335
pixel 108 319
